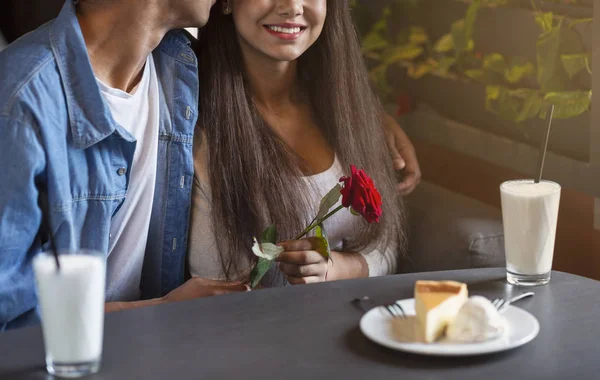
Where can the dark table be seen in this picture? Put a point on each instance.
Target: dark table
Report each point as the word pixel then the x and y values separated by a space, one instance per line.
pixel 311 332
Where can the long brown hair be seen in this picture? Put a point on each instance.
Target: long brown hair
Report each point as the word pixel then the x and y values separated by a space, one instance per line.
pixel 255 178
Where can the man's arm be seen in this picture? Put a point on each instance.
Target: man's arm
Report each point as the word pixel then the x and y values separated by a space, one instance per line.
pixel 196 287
pixel 403 155
pixel 24 163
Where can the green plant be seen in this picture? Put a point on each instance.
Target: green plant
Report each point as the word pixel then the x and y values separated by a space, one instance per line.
pixel 516 88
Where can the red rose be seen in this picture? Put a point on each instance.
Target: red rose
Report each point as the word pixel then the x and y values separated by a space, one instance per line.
pixel 360 193
pixel 404 103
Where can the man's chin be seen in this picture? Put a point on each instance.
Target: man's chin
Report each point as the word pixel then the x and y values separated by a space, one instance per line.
pixel 196 24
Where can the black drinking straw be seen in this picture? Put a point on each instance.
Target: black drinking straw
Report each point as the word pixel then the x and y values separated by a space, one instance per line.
pixel 47 226
pixel 544 146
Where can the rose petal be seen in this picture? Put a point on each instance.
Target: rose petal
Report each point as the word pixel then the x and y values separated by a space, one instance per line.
pixel 267 251
pixel 360 193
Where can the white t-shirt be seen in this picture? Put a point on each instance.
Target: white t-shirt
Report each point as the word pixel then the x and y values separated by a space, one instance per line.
pixel 203 256
pixel 138 113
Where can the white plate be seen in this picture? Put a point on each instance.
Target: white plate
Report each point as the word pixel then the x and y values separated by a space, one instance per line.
pixel 377 325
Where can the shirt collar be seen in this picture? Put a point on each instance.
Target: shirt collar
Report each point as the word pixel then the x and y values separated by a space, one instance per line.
pixel 177 43
pixel 89 116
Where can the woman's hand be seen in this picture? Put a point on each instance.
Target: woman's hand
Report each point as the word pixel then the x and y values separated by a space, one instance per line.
pixel 302 263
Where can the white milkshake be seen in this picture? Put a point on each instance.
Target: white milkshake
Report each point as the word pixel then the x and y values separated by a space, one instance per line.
pixel 529 215
pixel 72 308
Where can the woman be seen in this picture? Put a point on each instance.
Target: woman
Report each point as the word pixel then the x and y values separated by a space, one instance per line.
pixel 286 107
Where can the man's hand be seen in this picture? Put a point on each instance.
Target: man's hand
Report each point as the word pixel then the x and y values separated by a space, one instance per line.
pixel 403 155
pixel 200 287
pixel 193 288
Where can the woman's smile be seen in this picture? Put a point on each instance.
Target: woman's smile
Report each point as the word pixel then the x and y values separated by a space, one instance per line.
pixel 286 31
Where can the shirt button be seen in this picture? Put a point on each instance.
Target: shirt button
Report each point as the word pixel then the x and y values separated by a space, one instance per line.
pixel 121 171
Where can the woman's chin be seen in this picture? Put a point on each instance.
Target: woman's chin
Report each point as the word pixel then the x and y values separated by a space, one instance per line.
pixel 284 56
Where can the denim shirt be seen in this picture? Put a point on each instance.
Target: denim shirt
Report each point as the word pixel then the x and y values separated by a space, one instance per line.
pixel 60 143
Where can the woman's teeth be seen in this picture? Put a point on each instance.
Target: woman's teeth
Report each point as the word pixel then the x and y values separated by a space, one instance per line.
pixel 279 29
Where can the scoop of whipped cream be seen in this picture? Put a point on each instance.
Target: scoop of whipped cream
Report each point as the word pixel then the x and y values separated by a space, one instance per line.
pixel 477 320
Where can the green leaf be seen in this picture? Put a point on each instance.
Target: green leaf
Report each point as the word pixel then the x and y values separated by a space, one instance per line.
pixel 462 30
pixel 462 44
pixel 574 63
pixel 260 269
pixel 373 55
pixel 470 46
pixel 513 105
pixel 580 21
pixel 459 37
pixel 444 44
pixel 353 212
pixel 495 62
pixel 545 21
pixel 500 102
pixel 375 39
pixel 402 53
pixel 323 245
pixel 475 74
pixel 418 35
pixel 329 200
pixel 445 64
pixel 381 26
pixel 420 69
pixel 471 17
pixel 373 42
pixel 385 15
pixel 547 60
pixel 269 235
pixel 379 77
pixel 569 104
pixel 531 105
pixel 492 92
pixel 484 76
pixel 516 72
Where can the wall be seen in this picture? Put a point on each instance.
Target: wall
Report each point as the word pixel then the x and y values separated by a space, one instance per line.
pixel 18 17
pixel 2 42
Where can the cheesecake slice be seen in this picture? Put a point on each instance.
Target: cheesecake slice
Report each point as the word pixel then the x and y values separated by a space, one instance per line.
pixel 436 304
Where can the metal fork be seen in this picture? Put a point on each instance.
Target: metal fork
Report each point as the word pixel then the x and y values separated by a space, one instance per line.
pixel 501 304
pixel 395 310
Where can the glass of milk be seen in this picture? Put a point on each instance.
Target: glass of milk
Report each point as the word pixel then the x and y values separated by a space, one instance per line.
pixel 529 215
pixel 71 303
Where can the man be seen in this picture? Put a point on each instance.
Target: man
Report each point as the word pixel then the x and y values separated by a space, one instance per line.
pixel 97 112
